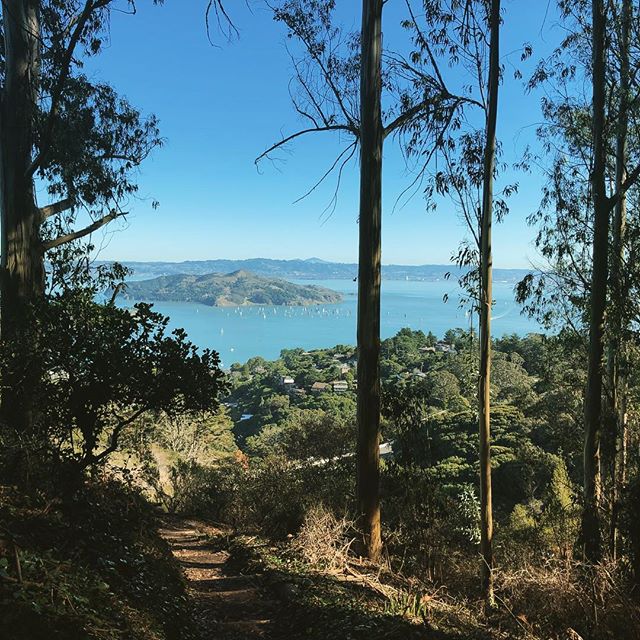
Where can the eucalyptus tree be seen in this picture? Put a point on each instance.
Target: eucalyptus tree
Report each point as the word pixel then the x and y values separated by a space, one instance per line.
pixel 616 360
pixel 64 134
pixel 598 298
pixel 594 171
pixel 465 35
pixel 346 83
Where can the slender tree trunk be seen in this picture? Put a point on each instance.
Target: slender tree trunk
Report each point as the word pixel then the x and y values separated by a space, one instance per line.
pixel 22 265
pixel 591 534
pixel 486 285
pixel 616 365
pixel 369 264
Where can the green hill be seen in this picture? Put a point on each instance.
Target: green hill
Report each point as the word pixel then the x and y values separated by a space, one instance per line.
pixel 240 288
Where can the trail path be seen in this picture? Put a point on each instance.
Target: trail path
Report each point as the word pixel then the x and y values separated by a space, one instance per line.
pixel 228 605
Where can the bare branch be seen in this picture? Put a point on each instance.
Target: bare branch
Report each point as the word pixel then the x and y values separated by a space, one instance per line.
pixel 326 174
pixel 293 136
pixel 56 207
pixel 75 235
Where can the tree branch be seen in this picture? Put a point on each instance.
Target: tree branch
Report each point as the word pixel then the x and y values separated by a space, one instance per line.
pixel 115 434
pixel 404 118
pixel 632 178
pixel 56 207
pixel 293 136
pixel 75 235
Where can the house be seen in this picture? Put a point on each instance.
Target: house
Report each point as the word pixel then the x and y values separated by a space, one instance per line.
pixel 287 383
pixel 339 386
pixel 344 369
pixel 298 392
pixel 320 387
pixel 386 450
pixel 427 349
pixel 444 347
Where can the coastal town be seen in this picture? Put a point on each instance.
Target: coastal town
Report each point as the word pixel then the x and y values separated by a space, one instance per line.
pixel 308 379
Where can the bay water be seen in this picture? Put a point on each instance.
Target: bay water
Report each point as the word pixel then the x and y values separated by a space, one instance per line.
pixel 239 333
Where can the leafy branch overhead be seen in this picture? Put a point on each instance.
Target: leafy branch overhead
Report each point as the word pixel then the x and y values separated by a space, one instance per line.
pixel 88 141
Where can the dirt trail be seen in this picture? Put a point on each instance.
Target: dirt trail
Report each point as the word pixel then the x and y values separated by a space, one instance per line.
pixel 228 605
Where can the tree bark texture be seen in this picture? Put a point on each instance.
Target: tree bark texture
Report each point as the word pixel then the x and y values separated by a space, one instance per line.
pixel 369 274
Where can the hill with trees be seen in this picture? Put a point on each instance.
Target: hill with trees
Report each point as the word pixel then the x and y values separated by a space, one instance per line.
pixel 238 288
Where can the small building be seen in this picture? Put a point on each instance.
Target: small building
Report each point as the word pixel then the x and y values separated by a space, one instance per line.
pixel 287 382
pixel 427 349
pixel 386 450
pixel 445 347
pixel 320 387
pixel 298 392
pixel 339 386
pixel 344 369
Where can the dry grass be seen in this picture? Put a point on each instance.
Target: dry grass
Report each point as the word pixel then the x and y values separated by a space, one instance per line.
pixel 322 540
pixel 559 600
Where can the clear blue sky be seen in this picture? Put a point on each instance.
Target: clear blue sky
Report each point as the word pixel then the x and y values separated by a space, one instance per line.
pixel 219 107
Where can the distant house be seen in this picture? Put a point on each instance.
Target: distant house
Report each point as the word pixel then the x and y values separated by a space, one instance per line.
pixel 344 369
pixel 246 416
pixel 298 392
pixel 339 386
pixel 427 349
pixel 445 347
pixel 386 449
pixel 287 383
pixel 320 387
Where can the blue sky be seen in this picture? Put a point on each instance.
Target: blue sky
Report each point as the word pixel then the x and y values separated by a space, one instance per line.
pixel 219 107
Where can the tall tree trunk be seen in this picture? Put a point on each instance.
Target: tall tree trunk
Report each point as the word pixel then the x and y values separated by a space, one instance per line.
pixel 22 261
pixel 486 285
pixel 619 292
pixel 591 534
pixel 369 265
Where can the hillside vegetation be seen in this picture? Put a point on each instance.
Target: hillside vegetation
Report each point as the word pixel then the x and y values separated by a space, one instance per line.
pixel 239 288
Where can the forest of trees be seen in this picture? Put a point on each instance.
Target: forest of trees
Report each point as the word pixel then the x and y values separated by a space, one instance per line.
pixel 493 483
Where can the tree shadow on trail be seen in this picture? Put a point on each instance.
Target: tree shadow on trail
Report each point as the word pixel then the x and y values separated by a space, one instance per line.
pixel 322 606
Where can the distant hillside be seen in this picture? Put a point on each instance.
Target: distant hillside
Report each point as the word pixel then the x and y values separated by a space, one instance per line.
pixel 311 269
pixel 232 289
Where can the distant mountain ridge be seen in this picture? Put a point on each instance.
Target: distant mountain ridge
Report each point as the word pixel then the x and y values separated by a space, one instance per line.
pixel 239 288
pixel 310 269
